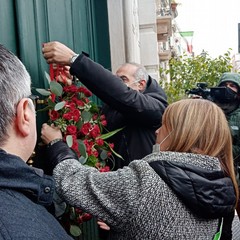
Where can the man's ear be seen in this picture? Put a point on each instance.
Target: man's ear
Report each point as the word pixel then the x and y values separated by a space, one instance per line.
pixel 23 117
pixel 142 85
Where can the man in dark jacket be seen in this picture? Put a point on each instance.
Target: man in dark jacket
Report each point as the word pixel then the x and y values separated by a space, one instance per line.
pixel 133 100
pixel 24 190
pixel 230 104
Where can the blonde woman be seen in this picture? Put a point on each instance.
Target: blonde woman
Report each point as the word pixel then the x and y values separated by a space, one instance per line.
pixel 180 191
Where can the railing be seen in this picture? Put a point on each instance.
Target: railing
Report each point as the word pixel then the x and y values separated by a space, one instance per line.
pixel 163 7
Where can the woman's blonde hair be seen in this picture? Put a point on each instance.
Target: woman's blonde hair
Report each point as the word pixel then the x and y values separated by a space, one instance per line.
pixel 200 126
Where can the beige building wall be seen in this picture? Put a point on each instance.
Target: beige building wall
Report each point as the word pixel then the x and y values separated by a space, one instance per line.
pixel 116 33
pixel 148 37
pixel 133 37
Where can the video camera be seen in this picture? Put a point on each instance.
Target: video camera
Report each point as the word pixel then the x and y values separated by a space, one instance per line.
pixel 213 94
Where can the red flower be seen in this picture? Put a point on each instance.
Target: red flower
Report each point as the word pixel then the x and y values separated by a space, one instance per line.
pixel 86 217
pixel 86 100
pixel 71 129
pixel 95 153
pixel 95 131
pixel 81 89
pixel 53 97
pixel 71 106
pixel 111 145
pixel 99 142
pixel 75 115
pixel 105 169
pixel 54 115
pixel 78 102
pixel 102 117
pixel 85 128
pixel 78 211
pixel 67 116
pixel 104 122
pixel 87 93
pixel 89 145
pixel 83 218
pixel 75 148
pixel 95 117
pixel 70 89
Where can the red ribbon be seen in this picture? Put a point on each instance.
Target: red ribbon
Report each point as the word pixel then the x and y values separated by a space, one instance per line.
pixel 57 72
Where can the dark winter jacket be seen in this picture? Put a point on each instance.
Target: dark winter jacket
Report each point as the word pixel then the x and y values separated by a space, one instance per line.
pixel 24 193
pixel 232 112
pixel 139 113
pixel 183 201
pixel 234 123
pixel 198 187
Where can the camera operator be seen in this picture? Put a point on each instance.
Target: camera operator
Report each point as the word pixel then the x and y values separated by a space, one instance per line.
pixel 227 96
pixel 230 104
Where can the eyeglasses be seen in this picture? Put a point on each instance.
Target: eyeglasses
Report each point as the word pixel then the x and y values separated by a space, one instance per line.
pixel 34 100
pixel 129 84
pixel 126 81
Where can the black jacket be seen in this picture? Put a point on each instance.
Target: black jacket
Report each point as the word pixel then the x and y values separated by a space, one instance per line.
pixel 139 113
pixel 24 193
pixel 208 193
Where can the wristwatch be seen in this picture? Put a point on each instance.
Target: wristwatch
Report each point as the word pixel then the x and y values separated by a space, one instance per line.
pixel 73 58
pixel 54 141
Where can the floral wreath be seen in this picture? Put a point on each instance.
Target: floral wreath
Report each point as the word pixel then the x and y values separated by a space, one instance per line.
pixel 70 108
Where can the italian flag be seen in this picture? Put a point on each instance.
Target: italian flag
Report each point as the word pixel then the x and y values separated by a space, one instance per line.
pixel 187 37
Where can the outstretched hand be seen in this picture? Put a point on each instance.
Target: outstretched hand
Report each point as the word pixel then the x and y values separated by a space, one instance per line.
pixel 49 133
pixel 56 52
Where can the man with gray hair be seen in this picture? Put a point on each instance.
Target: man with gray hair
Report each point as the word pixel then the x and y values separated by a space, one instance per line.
pixel 132 98
pixel 138 73
pixel 24 190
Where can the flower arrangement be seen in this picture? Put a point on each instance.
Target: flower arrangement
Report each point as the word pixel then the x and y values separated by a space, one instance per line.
pixel 82 124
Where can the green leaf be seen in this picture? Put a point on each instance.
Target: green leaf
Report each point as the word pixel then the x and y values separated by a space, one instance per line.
pixel 51 103
pixel 48 77
pixel 118 155
pixel 91 161
pixel 217 236
pixel 69 140
pixel 103 154
pixel 110 134
pixel 82 148
pixel 72 213
pixel 94 107
pixel 43 92
pixel 82 160
pixel 79 124
pixel 59 105
pixel 86 116
pixel 75 230
pixel 56 88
